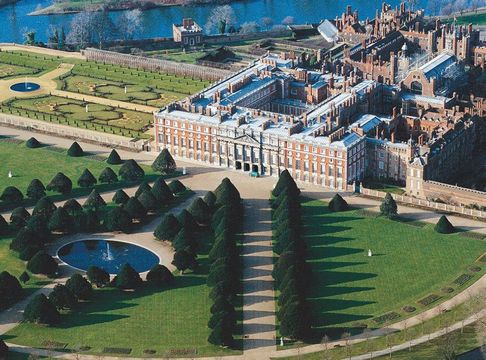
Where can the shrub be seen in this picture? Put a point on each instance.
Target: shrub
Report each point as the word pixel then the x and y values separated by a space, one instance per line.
pixel 164 163
pixel 444 226
pixel 184 260
pixel 135 208
pixel 36 190
pixel 19 217
pixel 80 287
pixel 148 201
pixel 44 207
pixel 94 201
pixel 159 276
pixel 131 171
pixel 162 192
pixel 388 207
pixel 4 228
pixel 42 263
pixel 118 219
pixel 337 204
pixel 61 184
pixel 72 207
pixel 32 143
pixel 12 195
pixel 429 299
pixel 386 317
pixel 144 186
pixel 120 197
pixel 41 311
pixel 114 158
pixel 75 150
pixel 10 290
pixel 200 211
pixel 128 278
pixel 108 176
pixel 86 179
pixel 60 221
pixel 62 297
pixel 98 276
pixel 168 228
pixel 176 187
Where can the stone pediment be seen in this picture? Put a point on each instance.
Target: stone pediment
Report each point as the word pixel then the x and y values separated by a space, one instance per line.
pixel 247 139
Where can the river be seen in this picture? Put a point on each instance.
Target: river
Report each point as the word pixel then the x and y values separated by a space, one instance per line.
pixel 158 22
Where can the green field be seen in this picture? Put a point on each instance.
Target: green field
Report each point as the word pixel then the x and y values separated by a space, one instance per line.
pixel 350 289
pixel 43 163
pixel 477 19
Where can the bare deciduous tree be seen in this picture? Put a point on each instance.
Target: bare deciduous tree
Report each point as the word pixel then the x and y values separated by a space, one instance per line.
pixel 80 33
pixel 288 20
pixel 266 21
pixel 129 23
pixel 221 18
pixel 249 27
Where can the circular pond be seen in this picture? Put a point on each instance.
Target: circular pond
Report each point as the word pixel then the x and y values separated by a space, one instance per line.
pixel 25 87
pixel 107 254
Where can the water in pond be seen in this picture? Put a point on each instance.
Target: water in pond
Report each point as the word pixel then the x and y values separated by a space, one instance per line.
pixel 109 255
pixel 158 22
pixel 25 87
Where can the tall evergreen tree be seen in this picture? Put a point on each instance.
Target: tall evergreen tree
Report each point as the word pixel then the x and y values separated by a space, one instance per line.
pixel 36 190
pixel 164 163
pixel 388 207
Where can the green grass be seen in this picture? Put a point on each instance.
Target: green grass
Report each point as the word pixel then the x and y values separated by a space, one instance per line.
pixel 393 189
pixel 409 263
pixel 476 19
pixel 43 163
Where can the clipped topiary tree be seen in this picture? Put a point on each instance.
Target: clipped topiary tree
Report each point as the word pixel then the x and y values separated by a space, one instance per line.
pixel 75 150
pixel 159 276
pixel 98 276
pixel 148 201
pixel 41 311
pixel 32 143
pixel 94 201
pixel 19 217
pixel 135 209
pixel 61 221
pixel 210 199
pixel 108 176
pixel 3 350
pixel 86 179
pixel 128 278
pixel 186 220
pixel 44 207
pixel 80 287
pixel 200 211
pixel 162 192
pixel 60 183
pixel 25 238
pixel 389 207
pixel 227 194
pixel 184 240
pixel 164 163
pixel 36 190
pixel 337 204
pixel 4 228
pixel 144 186
pixel 222 334
pixel 176 187
pixel 168 228
pixel 72 207
pixel 118 219
pixel 10 290
pixel 114 158
pixel 285 181
pixel 62 297
pixel 42 263
pixel 183 260
pixel 87 221
pixel 38 225
pixel 120 197
pixel 444 226
pixel 12 195
pixel 131 171
pixel 24 277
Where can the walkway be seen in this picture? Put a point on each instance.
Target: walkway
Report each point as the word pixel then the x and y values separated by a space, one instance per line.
pixel 41 50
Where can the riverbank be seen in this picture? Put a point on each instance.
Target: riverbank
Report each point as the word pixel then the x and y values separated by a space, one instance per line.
pixel 73 6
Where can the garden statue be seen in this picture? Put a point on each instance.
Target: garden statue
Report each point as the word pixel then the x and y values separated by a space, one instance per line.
pixel 370 253
pixel 10 175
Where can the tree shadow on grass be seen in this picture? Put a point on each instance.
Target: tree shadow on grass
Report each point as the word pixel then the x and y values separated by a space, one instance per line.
pixel 323 252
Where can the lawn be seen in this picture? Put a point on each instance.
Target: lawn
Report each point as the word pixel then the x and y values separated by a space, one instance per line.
pixel 477 19
pixel 409 262
pixel 43 163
